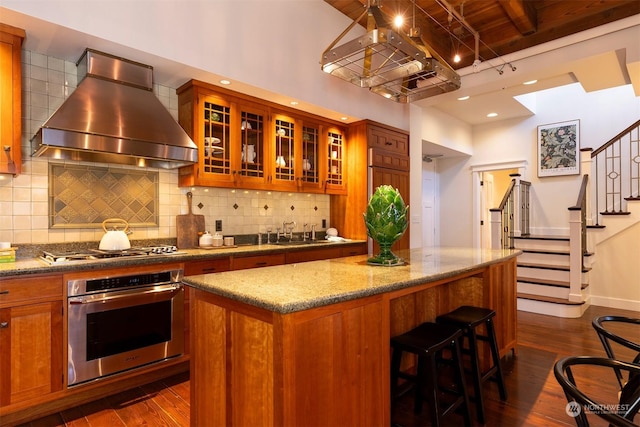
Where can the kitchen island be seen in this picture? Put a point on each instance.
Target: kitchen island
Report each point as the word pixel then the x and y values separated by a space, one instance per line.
pixel 308 343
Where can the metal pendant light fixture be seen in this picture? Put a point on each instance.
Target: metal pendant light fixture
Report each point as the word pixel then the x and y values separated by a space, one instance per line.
pixel 387 62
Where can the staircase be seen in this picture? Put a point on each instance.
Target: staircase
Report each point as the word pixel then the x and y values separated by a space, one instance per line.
pixel 543 277
pixel 553 271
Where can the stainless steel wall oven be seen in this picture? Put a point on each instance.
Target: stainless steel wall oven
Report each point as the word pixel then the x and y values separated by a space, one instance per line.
pixel 118 323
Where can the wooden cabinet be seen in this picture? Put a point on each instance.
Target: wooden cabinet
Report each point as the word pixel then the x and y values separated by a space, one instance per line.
pixel 207 266
pixel 255 261
pixel 245 142
pixel 326 366
pixel 378 154
pixel 230 136
pixel 385 138
pixel 31 338
pixel 11 101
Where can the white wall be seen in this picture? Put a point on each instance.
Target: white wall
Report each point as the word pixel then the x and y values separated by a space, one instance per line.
pixel 274 45
pixel 602 115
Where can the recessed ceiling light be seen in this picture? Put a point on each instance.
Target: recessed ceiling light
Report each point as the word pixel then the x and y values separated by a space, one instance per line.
pixel 530 82
pixel 344 118
pixel 294 102
pixel 492 114
pixel 464 98
pixel 225 82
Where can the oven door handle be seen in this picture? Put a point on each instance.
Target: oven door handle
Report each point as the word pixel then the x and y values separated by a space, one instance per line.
pixel 123 294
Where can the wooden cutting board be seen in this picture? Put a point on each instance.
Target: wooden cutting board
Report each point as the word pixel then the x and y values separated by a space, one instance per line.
pixel 188 226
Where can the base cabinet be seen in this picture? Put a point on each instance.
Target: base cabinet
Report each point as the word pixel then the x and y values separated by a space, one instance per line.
pixel 313 368
pixel 31 356
pixel 31 315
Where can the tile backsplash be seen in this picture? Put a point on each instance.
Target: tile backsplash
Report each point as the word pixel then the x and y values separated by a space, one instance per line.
pixel 24 206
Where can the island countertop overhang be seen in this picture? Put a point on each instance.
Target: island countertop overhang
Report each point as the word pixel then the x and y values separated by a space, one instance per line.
pixel 296 287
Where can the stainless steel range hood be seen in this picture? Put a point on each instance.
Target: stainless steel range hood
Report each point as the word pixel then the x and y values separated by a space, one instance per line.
pixel 114 117
pixel 389 63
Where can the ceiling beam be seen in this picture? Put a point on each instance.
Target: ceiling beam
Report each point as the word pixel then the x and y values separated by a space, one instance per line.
pixel 522 14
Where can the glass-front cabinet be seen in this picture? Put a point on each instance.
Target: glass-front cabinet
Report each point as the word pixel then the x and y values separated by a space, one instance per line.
pixel 285 164
pixel 254 153
pixel 311 162
pixel 244 143
pixel 335 154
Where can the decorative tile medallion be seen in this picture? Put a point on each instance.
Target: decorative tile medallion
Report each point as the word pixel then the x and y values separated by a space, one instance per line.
pixel 84 196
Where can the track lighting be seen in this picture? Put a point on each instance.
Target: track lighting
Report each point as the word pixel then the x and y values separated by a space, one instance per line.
pixel 501 69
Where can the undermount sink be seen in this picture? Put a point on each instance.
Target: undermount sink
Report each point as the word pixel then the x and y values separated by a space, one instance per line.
pixel 300 242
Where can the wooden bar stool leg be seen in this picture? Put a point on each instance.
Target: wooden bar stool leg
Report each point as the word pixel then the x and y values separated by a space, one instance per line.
pixel 476 372
pixel 396 358
pixel 457 361
pixel 432 390
pixel 495 353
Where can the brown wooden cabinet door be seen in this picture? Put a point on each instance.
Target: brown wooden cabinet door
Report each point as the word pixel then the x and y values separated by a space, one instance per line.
pixel 31 357
pixel 388 139
pixel 11 100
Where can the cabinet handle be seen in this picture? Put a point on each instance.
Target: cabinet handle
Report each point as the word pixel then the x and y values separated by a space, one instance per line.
pixel 262 263
pixel 209 270
pixel 4 292
pixel 4 325
pixel 388 143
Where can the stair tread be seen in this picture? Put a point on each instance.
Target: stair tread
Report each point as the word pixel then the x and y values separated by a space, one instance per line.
pixel 549 267
pixel 548 299
pixel 542 237
pixel 545 251
pixel 547 282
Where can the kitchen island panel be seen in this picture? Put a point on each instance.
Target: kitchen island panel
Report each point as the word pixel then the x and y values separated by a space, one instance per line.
pixel 332 357
pixel 331 322
pixel 209 359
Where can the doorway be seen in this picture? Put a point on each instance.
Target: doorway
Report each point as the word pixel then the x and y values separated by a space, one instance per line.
pixel 490 182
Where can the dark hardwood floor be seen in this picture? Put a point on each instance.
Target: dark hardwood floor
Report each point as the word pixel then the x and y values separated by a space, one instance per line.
pixel 534 396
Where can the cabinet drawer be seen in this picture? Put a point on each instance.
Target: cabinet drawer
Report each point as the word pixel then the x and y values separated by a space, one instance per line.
pixel 28 288
pixel 354 250
pixel 313 254
pixel 242 263
pixel 386 139
pixel 207 266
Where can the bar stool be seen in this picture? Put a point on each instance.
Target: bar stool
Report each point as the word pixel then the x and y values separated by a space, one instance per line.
pixel 427 342
pixel 469 318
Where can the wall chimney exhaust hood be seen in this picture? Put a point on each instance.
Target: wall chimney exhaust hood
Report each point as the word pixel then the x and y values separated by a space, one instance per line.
pixel 114 117
pixel 389 63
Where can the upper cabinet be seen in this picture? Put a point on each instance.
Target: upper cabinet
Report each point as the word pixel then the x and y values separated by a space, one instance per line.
pixel 230 137
pixel 248 143
pixel 11 103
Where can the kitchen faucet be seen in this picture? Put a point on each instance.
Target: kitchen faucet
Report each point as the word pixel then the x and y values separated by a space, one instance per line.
pixel 288 226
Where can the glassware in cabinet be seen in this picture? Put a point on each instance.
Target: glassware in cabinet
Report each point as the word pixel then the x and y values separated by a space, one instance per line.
pixel 285 151
pixel 252 156
pixel 216 153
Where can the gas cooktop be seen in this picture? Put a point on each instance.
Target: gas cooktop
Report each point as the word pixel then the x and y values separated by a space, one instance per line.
pixel 55 258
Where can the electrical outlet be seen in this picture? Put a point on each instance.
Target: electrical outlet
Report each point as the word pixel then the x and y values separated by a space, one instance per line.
pixel 218 225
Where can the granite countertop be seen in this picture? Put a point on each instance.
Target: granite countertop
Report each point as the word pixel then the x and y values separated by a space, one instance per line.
pixel 296 287
pixel 37 266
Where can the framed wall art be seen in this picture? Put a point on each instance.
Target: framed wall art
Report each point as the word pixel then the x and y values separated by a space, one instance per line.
pixel 559 149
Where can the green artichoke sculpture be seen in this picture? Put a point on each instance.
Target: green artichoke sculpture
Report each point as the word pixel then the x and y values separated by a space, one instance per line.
pixel 386 221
